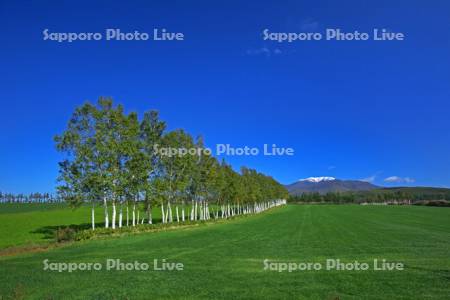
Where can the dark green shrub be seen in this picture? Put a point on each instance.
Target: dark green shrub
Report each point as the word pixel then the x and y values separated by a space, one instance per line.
pixel 441 203
pixel 65 234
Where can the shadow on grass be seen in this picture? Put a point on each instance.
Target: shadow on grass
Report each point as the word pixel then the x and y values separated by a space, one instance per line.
pixel 49 232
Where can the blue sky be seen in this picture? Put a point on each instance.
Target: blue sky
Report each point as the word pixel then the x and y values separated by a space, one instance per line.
pixel 350 109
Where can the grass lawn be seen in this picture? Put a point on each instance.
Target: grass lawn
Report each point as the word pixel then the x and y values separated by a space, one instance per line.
pixel 225 261
pixel 34 223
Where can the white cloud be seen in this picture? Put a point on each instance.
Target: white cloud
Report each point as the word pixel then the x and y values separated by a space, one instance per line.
pixel 264 51
pixel 277 51
pixel 397 179
pixel 372 178
pixel 331 167
pixel 309 25
pixel 369 179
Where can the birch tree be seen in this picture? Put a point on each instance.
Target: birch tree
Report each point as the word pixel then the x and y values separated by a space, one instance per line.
pixel 151 131
pixel 175 168
pixel 79 176
pixel 111 157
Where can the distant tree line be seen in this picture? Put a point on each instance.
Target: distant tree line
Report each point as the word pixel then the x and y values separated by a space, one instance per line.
pixel 127 165
pixel 29 198
pixel 388 196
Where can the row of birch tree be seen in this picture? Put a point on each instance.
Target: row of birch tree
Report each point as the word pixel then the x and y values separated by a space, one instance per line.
pixel 114 159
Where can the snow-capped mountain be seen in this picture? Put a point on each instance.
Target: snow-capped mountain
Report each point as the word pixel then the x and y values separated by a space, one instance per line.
pixel 318 179
pixel 327 184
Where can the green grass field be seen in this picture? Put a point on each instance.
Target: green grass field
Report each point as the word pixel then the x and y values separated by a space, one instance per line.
pixel 24 224
pixel 225 260
pixel 35 224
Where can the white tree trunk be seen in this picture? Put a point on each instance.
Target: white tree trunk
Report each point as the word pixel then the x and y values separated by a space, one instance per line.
pixel 93 216
pixel 162 213
pixel 192 210
pixel 205 212
pixel 134 214
pixel 114 214
pixel 128 217
pixel 178 216
pixel 150 221
pixel 195 211
pixel 169 212
pixel 105 204
pixel 120 216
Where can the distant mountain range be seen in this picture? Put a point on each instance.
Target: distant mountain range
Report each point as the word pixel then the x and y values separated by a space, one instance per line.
pixel 325 185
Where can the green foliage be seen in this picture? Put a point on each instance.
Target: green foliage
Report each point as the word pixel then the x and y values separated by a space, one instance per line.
pixel 113 157
pixel 65 234
pixel 439 203
pixel 386 195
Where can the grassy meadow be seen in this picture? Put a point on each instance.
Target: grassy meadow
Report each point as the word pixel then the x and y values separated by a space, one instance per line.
pixel 225 260
pixel 35 223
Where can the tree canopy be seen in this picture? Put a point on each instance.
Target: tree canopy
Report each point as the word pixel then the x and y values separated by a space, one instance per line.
pixel 113 158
